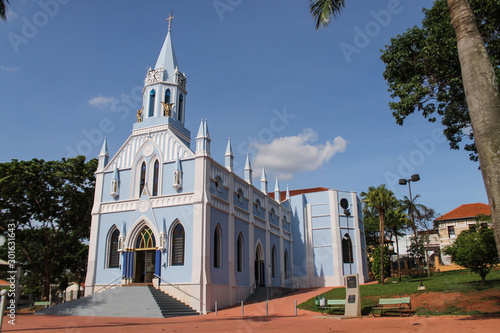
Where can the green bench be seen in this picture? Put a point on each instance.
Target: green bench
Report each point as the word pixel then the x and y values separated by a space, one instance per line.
pixel 43 303
pixel 401 304
pixel 330 304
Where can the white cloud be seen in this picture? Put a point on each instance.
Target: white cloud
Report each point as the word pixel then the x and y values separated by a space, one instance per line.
pixel 103 102
pixel 13 70
pixel 288 155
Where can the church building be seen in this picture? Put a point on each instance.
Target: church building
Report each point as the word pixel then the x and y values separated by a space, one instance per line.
pixel 168 214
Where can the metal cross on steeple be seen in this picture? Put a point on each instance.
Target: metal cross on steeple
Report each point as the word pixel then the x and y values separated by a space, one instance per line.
pixel 170 20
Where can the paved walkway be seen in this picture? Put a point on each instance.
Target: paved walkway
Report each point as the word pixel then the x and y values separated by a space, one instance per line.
pixel 281 319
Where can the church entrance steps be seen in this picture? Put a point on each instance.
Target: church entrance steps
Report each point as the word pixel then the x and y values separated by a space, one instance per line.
pixel 169 306
pixel 132 301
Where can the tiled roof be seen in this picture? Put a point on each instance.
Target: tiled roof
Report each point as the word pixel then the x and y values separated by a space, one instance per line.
pixel 298 192
pixel 466 211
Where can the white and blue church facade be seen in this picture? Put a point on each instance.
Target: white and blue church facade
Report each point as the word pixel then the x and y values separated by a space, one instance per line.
pixel 165 212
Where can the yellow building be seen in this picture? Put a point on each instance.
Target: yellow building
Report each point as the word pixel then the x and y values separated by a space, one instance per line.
pixel 451 224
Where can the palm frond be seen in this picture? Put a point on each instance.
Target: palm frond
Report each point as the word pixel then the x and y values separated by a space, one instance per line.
pixel 323 10
pixel 3 9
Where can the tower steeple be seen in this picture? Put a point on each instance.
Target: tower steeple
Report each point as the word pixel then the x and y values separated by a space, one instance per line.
pixel 203 139
pixel 164 93
pixel 277 192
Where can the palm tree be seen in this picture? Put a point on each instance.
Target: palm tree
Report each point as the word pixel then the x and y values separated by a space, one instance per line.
pixel 3 9
pixel 381 200
pixel 396 221
pixel 481 90
pixel 415 210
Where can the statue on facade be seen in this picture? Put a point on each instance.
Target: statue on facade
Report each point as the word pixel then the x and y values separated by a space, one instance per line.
pixel 139 115
pixel 166 108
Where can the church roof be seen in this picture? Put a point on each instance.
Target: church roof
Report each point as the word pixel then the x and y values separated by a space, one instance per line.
pixel 466 211
pixel 298 192
pixel 167 58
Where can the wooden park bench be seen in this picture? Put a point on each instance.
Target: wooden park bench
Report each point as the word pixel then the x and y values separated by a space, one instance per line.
pixel 402 304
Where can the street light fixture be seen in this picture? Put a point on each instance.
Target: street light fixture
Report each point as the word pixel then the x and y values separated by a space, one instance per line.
pixel 403 181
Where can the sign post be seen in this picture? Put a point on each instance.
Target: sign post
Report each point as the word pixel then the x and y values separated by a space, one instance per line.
pixel 352 300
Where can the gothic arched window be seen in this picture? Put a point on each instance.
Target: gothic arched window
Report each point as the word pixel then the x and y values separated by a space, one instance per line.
pixel 152 94
pixel 181 105
pixel 143 178
pixel 347 250
pixel 217 247
pixel 167 96
pixel 239 254
pixel 113 254
pixel 155 178
pixel 146 240
pixel 178 241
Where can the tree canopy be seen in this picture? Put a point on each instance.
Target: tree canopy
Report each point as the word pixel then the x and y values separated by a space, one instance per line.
pixel 474 249
pixel 424 75
pixel 48 204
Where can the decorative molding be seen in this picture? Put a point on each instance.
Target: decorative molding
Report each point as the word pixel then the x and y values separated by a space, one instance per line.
pixel 216 171
pixel 220 204
pixel 143 206
pixel 260 223
pixel 275 230
pixel 241 214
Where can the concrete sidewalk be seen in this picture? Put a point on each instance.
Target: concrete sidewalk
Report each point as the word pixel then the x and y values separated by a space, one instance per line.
pixel 281 319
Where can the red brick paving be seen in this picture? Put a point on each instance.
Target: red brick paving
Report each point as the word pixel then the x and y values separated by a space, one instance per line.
pixel 281 319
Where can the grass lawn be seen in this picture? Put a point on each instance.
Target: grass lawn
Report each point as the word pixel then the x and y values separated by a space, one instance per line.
pixel 455 281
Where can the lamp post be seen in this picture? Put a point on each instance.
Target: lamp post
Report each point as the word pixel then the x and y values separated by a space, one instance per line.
pixel 403 181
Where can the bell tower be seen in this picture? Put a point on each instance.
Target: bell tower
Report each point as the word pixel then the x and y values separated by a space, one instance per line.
pixel 164 93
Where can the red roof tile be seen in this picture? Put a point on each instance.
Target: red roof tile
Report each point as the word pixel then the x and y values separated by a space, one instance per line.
pixel 298 192
pixel 466 211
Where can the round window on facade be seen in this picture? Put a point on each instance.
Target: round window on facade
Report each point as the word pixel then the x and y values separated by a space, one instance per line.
pixel 218 184
pixel 344 203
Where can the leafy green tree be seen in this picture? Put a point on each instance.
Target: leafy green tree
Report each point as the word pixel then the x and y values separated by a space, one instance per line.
pixel 48 203
pixel 377 261
pixel 479 71
pixel 3 9
pixel 380 200
pixel 476 250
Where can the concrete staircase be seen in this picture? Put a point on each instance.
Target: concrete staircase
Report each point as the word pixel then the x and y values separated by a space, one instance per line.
pixel 130 301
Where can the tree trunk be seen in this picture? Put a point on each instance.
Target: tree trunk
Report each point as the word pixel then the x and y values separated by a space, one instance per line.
pixel 483 100
pixel 382 240
pixel 397 252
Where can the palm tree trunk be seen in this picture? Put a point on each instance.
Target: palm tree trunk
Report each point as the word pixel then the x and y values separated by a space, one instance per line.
pixel 397 253
pixel 382 239
pixel 483 100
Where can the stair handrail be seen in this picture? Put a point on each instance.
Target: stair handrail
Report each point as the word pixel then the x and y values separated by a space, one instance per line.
pixel 173 285
pixel 107 285
pixel 253 287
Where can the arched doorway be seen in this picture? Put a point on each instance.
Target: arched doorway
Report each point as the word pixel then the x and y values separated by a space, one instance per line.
pixel 260 267
pixel 145 255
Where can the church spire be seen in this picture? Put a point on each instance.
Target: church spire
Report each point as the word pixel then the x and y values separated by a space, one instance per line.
pixel 277 192
pixel 103 155
pixel 167 59
pixel 263 181
pixel 248 170
pixel 229 156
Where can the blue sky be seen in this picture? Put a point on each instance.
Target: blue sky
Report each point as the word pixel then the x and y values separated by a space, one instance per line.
pixel 312 106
